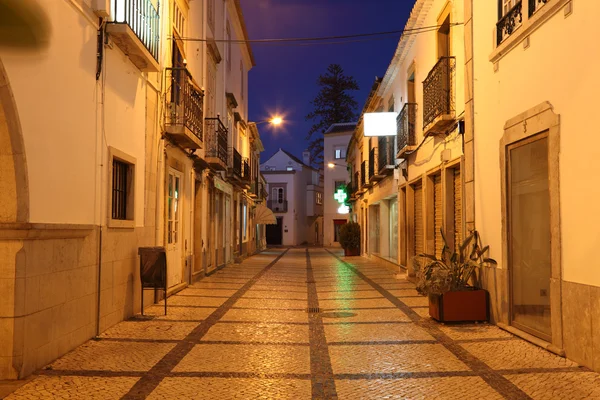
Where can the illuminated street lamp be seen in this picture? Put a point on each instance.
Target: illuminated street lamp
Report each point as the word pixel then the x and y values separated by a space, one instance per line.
pixel 275 121
pixel 333 165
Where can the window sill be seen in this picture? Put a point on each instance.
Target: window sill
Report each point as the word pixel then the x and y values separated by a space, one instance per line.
pixel 121 223
pixel 529 26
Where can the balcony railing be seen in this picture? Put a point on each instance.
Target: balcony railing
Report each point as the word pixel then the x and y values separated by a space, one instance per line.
pixel 184 105
pixel 372 158
pixel 363 174
pixel 235 162
pixel 278 206
pixel 512 20
pixel 534 5
pixel 246 170
pixel 438 96
pixel 406 124
pixel 356 181
pixel 143 19
pixel 216 141
pixel 386 158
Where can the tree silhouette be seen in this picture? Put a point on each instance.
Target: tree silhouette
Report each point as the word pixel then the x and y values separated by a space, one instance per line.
pixel 333 104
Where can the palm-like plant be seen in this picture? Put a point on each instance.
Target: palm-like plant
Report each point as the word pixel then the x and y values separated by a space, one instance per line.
pixel 453 270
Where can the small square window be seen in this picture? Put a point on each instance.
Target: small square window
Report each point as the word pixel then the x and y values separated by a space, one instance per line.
pixel 319 197
pixel 339 153
pixel 121 191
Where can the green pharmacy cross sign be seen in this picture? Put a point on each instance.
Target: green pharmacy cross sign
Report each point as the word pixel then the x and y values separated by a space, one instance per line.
pixel 340 196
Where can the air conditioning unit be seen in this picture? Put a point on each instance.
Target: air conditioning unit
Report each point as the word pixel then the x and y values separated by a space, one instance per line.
pixel 101 8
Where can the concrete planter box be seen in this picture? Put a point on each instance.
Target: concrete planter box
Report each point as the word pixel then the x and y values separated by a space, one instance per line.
pixel 462 306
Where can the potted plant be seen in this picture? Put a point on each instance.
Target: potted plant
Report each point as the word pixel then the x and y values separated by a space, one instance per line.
pixel 350 238
pixel 446 281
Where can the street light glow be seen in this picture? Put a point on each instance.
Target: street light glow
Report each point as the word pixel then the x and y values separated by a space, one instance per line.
pixel 276 120
pixel 331 165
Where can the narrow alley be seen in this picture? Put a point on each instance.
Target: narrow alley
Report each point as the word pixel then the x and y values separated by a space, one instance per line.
pixel 304 323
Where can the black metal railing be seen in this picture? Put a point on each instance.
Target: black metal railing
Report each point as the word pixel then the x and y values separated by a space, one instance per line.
pixel 246 170
pixel 438 93
pixel 534 5
pixel 363 173
pixel 350 187
pixel 356 181
pixel 278 206
pixel 216 139
pixel 385 148
pixel 143 19
pixel 235 162
pixel 510 21
pixel 184 101
pixel 406 124
pixel 372 158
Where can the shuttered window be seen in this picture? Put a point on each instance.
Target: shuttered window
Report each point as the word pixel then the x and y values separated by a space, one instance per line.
pixel 418 213
pixel 438 241
pixel 458 238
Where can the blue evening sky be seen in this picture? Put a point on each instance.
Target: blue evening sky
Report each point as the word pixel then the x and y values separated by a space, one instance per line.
pixel 284 79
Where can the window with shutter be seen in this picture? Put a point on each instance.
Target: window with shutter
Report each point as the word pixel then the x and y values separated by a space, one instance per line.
pixel 458 237
pixel 418 215
pixel 437 215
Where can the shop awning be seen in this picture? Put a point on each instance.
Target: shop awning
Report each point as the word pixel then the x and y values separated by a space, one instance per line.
pixel 264 216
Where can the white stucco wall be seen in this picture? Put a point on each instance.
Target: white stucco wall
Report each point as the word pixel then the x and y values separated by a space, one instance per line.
pixel 56 94
pixel 338 173
pixel 561 67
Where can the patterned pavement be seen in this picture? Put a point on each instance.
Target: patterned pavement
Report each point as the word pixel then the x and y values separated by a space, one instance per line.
pixel 301 324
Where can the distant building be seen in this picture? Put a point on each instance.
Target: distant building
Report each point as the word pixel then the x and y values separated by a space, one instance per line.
pixel 335 144
pixel 295 191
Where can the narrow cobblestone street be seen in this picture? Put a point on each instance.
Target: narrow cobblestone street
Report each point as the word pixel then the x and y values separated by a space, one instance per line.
pixel 302 323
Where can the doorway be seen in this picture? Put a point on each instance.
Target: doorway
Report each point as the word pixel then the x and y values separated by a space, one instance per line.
pixel 174 250
pixel 275 233
pixel 529 235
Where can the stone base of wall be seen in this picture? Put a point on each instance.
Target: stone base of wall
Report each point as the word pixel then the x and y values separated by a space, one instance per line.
pixel 581 323
pixel 49 285
pixel 580 315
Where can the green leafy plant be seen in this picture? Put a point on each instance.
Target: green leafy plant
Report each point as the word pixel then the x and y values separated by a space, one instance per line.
pixel 453 270
pixel 350 235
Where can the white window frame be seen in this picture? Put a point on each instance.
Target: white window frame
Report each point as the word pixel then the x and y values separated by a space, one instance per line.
pixel 342 152
pixel 129 222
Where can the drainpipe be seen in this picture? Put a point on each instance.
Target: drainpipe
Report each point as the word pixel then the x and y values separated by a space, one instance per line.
pixel 100 160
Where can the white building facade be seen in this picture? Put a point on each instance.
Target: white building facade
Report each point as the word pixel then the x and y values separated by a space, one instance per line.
pixel 335 145
pixel 535 157
pixel 295 193
pixel 408 187
pixel 107 134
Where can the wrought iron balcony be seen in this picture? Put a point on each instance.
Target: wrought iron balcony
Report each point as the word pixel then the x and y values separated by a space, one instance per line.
pixel 216 143
pixel 278 206
pixel 363 174
pixel 183 113
pixel 135 28
pixel 372 162
pixel 535 5
pixel 235 163
pixel 406 123
pixel 386 160
pixel 246 170
pixel 357 182
pixel 512 20
pixel 438 97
